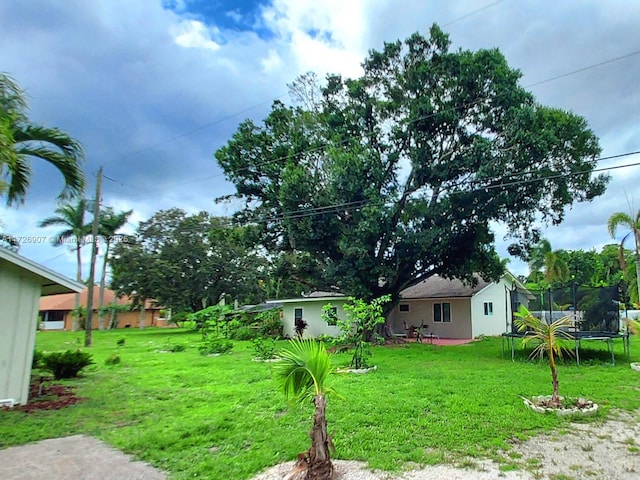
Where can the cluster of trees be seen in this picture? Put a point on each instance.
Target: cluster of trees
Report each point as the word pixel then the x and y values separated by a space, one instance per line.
pixel 610 266
pixel 189 262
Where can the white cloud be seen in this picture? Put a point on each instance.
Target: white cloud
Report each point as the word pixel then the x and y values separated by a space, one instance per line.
pixel 194 34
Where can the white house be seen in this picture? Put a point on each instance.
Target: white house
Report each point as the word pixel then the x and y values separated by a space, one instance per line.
pixel 453 309
pixel 22 282
pixel 309 310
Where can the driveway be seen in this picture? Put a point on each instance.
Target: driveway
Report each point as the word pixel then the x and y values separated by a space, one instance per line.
pixel 77 457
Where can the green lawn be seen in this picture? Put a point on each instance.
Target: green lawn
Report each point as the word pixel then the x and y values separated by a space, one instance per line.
pixel 222 417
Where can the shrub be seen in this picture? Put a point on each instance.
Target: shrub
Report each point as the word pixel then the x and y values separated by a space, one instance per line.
pixel 244 333
pixel 112 359
pixel 270 323
pixel 67 364
pixel 214 344
pixel 174 347
pixel 264 349
pixel 37 359
pixel 121 341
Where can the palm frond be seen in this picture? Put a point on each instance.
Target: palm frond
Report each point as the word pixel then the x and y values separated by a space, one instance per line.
pixel 303 369
pixel 547 336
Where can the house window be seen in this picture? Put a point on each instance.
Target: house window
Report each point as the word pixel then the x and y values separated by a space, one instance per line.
pixel 442 312
pixel 404 307
pixel 488 308
pixel 298 322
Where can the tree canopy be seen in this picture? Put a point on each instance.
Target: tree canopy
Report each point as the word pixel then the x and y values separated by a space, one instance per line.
pixel 390 178
pixel 186 262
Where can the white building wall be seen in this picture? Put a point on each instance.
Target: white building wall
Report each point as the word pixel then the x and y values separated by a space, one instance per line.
pixel 495 324
pixel 312 314
pixel 19 296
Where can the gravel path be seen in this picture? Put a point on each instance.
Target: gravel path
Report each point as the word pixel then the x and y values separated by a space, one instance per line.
pixel 599 450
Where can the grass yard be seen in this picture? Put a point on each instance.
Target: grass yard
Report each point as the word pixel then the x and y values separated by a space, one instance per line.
pixel 222 417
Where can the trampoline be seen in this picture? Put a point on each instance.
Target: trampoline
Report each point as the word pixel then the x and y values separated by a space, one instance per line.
pixel 595 312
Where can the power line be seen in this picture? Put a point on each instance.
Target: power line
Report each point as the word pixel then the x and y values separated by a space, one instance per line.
pixel 472 13
pixel 418 119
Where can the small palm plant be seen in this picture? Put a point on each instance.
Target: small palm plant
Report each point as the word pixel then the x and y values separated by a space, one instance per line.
pixel 549 338
pixel 303 370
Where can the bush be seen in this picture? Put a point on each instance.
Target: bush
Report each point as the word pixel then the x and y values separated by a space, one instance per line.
pixel 67 364
pixel 270 324
pixel 121 341
pixel 37 359
pixel 112 359
pixel 174 347
pixel 264 349
pixel 244 333
pixel 214 344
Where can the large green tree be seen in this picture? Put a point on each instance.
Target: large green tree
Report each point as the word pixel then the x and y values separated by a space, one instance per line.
pixel 186 262
pixel 21 140
pixel 395 176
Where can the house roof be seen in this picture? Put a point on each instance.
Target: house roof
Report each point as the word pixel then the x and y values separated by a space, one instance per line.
pixel 66 302
pixel 440 287
pixel 313 297
pixel 51 282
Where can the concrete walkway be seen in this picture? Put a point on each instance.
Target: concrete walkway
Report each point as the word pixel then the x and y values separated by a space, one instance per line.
pixel 72 458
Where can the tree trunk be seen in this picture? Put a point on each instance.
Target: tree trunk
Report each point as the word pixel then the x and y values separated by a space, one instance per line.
pixel 74 316
pixel 102 286
pixel 142 315
pixel 555 398
pixel 319 466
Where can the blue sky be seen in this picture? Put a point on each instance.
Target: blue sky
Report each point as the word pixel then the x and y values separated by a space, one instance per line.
pixel 153 87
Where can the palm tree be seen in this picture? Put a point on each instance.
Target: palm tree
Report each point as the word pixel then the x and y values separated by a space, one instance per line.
pixel 303 371
pixel 109 224
pixel 71 217
pixel 542 257
pixel 20 140
pixel 548 337
pixel 631 223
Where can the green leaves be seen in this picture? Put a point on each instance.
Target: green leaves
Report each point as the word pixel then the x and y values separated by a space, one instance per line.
pixel 395 176
pixel 303 369
pixel 547 336
pixel 20 140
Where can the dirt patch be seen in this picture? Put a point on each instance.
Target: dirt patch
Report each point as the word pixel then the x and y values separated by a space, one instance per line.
pixel 48 396
pixel 606 449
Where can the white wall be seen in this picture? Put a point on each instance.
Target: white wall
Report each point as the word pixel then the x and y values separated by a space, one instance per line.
pixel 312 314
pixel 495 324
pixel 19 297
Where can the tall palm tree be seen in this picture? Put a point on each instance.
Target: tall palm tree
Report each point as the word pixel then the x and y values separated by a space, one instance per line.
pixel 631 223
pixel 544 258
pixel 71 216
pixel 303 371
pixel 20 140
pixel 109 224
pixel 548 338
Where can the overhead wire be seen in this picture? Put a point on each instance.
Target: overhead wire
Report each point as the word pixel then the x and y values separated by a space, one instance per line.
pixel 417 119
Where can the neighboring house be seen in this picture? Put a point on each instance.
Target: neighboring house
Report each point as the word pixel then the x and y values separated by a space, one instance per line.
pixel 453 309
pixel 56 311
pixel 22 283
pixel 309 310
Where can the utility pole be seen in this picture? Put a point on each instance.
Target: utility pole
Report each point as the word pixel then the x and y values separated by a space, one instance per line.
pixel 94 253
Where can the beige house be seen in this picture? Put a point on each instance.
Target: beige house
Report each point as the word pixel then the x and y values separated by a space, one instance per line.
pixel 22 283
pixel 309 310
pixel 56 311
pixel 453 309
